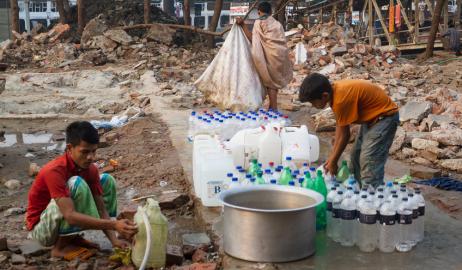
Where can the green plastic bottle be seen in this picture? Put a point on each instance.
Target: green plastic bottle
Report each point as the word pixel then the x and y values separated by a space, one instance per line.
pixel 286 177
pixel 308 182
pixel 343 173
pixel 260 180
pixel 320 187
pixel 254 168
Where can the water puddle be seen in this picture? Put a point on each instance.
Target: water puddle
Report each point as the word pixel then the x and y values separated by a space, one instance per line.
pixel 16 139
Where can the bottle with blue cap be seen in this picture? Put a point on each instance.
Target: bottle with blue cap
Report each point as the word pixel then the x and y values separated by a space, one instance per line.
pixel 234 183
pixel 268 175
pixel 289 163
pixel 192 126
pixel 277 173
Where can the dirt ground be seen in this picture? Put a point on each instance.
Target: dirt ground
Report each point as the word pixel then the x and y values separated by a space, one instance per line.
pixel 148 165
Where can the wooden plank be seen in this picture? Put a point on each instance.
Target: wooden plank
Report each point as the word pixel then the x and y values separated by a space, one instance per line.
pixel 416 21
pixel 382 22
pixel 403 12
pixel 371 27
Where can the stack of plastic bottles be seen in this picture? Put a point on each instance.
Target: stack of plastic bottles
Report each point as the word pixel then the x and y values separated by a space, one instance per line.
pixel 388 218
pixel 226 124
pixel 288 174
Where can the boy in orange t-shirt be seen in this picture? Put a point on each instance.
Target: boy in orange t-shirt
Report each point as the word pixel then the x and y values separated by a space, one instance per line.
pixel 356 102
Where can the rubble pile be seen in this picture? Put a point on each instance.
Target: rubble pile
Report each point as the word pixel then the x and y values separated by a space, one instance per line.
pixel 429 97
pixel 329 46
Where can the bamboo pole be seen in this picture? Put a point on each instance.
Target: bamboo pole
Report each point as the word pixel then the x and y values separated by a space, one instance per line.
pixel 384 26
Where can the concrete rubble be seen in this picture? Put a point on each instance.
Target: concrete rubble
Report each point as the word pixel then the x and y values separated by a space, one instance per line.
pixel 429 97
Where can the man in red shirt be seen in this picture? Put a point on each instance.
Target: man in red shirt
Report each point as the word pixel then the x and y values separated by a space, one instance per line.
pixel 68 196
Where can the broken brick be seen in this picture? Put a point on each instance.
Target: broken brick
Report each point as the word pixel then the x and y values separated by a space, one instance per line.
pixel 174 255
pixel 199 256
pixel 424 172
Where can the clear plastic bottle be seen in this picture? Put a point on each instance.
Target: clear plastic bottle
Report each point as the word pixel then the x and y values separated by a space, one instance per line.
pixel 313 172
pixel 380 191
pixel 388 228
pixel 402 193
pixel 392 192
pixel 388 189
pixel 378 201
pixel 363 191
pixel 248 178
pixel 336 216
pixel 348 214
pixel 330 197
pixel 192 126
pixel 405 224
pixel 421 220
pixel 351 182
pixel 268 175
pixel 300 182
pixel 367 227
pixel 277 173
pixel 413 231
pixel 289 163
pixel 234 183
pixel 252 181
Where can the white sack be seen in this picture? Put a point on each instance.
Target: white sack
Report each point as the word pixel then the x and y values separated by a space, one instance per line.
pixel 231 80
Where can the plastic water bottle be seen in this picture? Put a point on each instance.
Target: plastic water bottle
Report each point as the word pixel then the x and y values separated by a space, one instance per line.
pixel 277 173
pixel 363 192
pixel 289 163
pixel 421 220
pixel 234 183
pixel 380 191
pixel 351 182
pixel 405 225
pixel 387 190
pixel 378 201
pixel 413 231
pixel 343 172
pixel 241 176
pixel 392 192
pixel 254 168
pixel 313 172
pixel 349 192
pixel 402 193
pixel 308 182
pixel 259 179
pixel 329 200
pixel 336 216
pixel 286 176
pixel 252 181
pixel 367 227
pixel 388 228
pixel 192 126
pixel 300 182
pixel 348 215
pixel 320 187
pixel 268 175
pixel 248 178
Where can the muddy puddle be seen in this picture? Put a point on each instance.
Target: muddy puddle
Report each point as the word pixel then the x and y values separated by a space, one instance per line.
pixel 49 141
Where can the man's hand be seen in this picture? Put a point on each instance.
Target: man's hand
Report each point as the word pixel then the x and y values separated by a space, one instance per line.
pixel 331 167
pixel 239 21
pixel 120 243
pixel 126 228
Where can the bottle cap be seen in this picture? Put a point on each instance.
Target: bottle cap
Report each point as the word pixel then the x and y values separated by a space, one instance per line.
pixel 393 192
pixel 356 192
pixel 312 169
pixel 417 191
pixel 248 176
pixel 297 172
pixel 350 188
pixel 271 164
pixel 291 183
pixel 252 179
pixel 333 188
pixel 380 196
pixel 394 196
pixel 235 179
pixel 305 164
pixel 380 189
pixel 193 113
pixel 273 181
pixel 288 158
pixel 372 193
pixel 340 192
pixel 403 190
pixel 410 195
pixel 364 196
pixel 238 168
pixel 300 180
pixel 267 171
pixel 405 199
pixel 229 175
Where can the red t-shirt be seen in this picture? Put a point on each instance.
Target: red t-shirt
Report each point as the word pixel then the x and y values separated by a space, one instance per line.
pixel 51 183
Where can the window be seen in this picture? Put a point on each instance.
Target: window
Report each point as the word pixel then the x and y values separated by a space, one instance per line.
pixel 224 20
pixel 53 6
pixel 38 6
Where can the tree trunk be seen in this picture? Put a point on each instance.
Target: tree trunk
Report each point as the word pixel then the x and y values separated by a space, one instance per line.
pixel 213 25
pixel 61 11
pixel 147 11
pixel 14 9
pixel 67 10
pixel 169 7
pixel 457 14
pixel 81 15
pixel 187 12
pixel 434 29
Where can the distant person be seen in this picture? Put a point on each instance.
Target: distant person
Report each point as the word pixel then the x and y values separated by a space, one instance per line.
pixel 356 102
pixel 68 196
pixel 454 38
pixel 270 52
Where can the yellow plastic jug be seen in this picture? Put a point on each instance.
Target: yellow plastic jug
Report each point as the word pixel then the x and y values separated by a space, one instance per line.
pixel 159 230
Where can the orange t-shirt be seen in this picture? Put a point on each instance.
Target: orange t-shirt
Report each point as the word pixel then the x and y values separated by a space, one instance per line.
pixel 359 101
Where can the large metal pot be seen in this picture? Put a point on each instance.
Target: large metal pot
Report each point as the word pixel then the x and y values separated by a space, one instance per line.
pixel 270 223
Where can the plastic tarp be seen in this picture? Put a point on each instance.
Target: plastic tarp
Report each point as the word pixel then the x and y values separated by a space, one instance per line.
pixel 231 80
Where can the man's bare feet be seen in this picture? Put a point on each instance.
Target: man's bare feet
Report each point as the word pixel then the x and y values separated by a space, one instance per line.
pixel 63 246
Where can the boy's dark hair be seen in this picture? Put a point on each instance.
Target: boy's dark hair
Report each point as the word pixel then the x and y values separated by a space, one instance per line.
pixel 313 86
pixel 265 7
pixel 81 131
